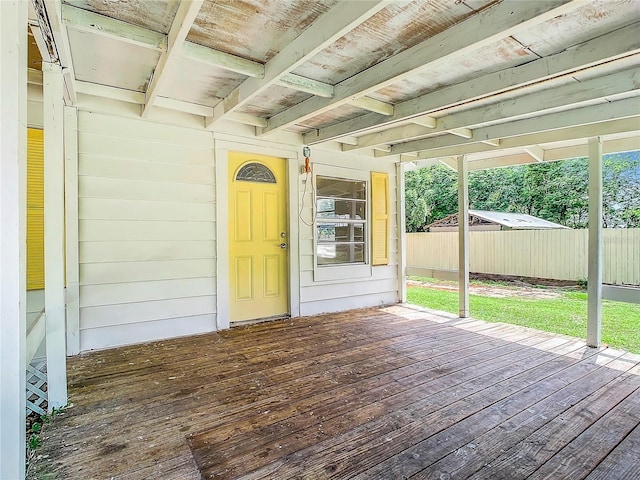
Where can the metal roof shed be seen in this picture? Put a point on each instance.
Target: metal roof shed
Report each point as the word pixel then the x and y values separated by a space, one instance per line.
pixel 483 220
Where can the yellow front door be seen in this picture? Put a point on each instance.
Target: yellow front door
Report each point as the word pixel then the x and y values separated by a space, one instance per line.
pixel 258 237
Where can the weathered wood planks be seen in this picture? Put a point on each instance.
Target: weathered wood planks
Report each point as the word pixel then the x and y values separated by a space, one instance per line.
pixel 375 393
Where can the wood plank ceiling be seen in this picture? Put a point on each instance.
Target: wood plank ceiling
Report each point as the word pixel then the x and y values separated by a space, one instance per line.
pixel 423 79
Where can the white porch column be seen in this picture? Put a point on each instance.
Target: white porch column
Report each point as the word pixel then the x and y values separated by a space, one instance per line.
pixel 54 301
pixel 594 279
pixel 13 183
pixel 71 226
pixel 463 237
pixel 402 236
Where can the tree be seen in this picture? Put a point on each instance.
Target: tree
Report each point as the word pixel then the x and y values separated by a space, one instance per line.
pixel 555 191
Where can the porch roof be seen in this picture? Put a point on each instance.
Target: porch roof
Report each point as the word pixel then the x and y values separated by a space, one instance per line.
pixel 396 392
pixel 504 82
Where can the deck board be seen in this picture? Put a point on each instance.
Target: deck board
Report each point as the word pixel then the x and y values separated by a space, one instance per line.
pixel 378 393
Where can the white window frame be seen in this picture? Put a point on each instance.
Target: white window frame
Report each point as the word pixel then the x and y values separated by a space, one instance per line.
pixel 323 273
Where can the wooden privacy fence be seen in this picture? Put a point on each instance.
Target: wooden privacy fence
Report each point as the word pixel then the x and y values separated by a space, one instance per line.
pixel 554 254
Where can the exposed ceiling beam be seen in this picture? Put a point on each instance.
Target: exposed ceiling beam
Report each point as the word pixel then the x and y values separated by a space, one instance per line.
pixel 500 162
pixel 559 135
pixel 425 120
pixel 484 28
pixel 247 119
pixel 461 132
pixel 138 98
pixel 598 51
pixel 182 22
pixel 373 105
pixel 450 162
pixel 536 152
pixel 223 60
pixel 307 85
pixel 85 21
pixel 181 106
pixel 392 135
pixel 616 145
pixel 565 95
pixel 554 154
pixel 543 123
pixel 329 28
pixel 114 93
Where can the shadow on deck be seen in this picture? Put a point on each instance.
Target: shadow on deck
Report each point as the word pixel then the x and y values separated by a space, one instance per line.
pixel 388 393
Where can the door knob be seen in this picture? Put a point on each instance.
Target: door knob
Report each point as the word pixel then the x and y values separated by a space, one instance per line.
pixel 283 246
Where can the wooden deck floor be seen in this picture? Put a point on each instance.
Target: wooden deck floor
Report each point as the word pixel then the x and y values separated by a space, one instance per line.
pixel 388 393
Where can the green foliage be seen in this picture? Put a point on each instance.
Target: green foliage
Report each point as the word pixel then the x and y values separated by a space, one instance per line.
pixel 34 442
pixel 555 191
pixel 565 315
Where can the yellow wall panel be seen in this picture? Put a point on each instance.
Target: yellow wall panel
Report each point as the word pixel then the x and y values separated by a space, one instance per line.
pixel 35 209
pixel 380 210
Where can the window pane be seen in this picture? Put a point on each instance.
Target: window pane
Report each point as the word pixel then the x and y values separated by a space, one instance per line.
pixel 340 232
pixel 341 188
pixel 347 209
pixel 337 253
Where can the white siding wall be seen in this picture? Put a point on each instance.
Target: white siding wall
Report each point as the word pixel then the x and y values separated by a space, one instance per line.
pixel 381 287
pixel 146 231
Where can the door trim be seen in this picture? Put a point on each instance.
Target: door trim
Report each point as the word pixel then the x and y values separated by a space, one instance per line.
pixel 221 150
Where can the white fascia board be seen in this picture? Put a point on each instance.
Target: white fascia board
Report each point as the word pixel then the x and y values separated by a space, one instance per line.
pixel 182 22
pixel 330 27
pixel 601 50
pixel 484 28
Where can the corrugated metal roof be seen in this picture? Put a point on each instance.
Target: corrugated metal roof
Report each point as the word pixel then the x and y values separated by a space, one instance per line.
pixel 516 221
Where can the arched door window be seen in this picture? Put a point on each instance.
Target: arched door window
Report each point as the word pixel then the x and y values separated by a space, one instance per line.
pixel 255 172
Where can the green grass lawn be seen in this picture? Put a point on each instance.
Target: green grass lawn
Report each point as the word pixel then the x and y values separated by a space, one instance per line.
pixel 566 314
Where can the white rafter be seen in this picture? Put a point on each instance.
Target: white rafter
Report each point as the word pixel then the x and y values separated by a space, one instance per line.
pixel 373 105
pixel 493 24
pixel 182 22
pixel 599 51
pixel 536 152
pixel 307 85
pixel 223 60
pixel 619 109
pixel 323 32
pixel 85 21
pixel 575 93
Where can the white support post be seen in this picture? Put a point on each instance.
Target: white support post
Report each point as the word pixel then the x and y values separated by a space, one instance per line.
pixel 222 236
pixel 463 237
pixel 71 229
pixel 402 235
pixel 13 182
pixel 594 279
pixel 54 294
